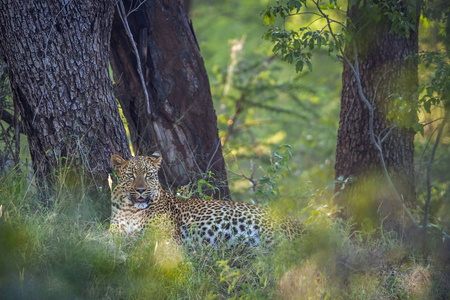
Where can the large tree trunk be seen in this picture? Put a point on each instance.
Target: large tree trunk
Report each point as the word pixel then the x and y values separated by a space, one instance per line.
pixel 57 55
pixel 385 74
pixel 182 124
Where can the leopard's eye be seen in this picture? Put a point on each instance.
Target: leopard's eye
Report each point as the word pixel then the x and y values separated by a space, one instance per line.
pixel 130 176
pixel 148 175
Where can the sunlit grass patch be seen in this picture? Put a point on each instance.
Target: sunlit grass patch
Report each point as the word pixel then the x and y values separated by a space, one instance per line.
pixel 303 282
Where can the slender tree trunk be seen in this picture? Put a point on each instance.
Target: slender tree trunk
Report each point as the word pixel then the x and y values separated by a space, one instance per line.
pixel 182 124
pixel 385 74
pixel 57 56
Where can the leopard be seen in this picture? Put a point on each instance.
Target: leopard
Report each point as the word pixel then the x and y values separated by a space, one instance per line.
pixel 139 198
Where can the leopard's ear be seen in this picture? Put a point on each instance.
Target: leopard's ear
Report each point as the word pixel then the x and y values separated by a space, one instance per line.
pixel 156 159
pixel 117 163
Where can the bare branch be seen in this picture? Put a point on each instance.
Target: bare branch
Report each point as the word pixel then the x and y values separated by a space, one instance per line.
pixel 238 110
pixel 133 9
pixel 430 164
pixel 388 133
pixel 419 171
pixel 209 166
pixel 431 122
pixel 9 119
pixel 193 157
pixel 275 109
pixel 16 131
pixel 250 178
pixel 7 140
pixel 123 17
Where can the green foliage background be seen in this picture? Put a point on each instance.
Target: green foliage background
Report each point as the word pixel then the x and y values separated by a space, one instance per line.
pixel 280 107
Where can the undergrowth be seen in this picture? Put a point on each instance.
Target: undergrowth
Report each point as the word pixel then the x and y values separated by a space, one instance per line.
pixel 62 249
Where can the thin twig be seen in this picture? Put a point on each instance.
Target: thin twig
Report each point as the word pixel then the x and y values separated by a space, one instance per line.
pixel 275 109
pixel 387 134
pixel 132 10
pixel 378 84
pixel 242 174
pixel 430 164
pixel 419 171
pixel 428 142
pixel 7 141
pixel 239 108
pixel 431 122
pixel 122 15
pixel 224 155
pixel 16 131
pixel 193 156
pixel 212 156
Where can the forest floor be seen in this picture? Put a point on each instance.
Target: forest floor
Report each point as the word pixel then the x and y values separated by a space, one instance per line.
pixel 62 249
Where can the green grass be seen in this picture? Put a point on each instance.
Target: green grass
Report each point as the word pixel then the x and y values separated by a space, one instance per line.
pixel 62 249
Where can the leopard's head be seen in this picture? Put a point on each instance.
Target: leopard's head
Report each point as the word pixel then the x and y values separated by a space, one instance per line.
pixel 138 178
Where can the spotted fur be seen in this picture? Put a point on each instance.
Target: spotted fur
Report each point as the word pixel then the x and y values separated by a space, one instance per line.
pixel 139 198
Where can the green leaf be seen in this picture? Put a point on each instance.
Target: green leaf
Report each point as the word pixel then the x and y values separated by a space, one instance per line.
pixel 427 106
pixel 299 66
pixel 264 180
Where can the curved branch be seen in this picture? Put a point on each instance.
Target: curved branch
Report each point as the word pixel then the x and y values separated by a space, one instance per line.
pixel 123 17
pixel 355 70
pixel 8 118
pixel 430 164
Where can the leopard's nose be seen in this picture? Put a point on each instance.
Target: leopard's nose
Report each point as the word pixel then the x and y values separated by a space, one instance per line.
pixel 140 191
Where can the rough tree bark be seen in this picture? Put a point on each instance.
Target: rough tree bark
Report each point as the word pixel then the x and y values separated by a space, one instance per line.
pixel 57 56
pixel 385 74
pixel 182 124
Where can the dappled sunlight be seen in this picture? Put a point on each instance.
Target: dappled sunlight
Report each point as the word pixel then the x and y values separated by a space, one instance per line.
pixel 374 205
pixel 419 282
pixel 167 255
pixel 277 138
pixel 302 282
